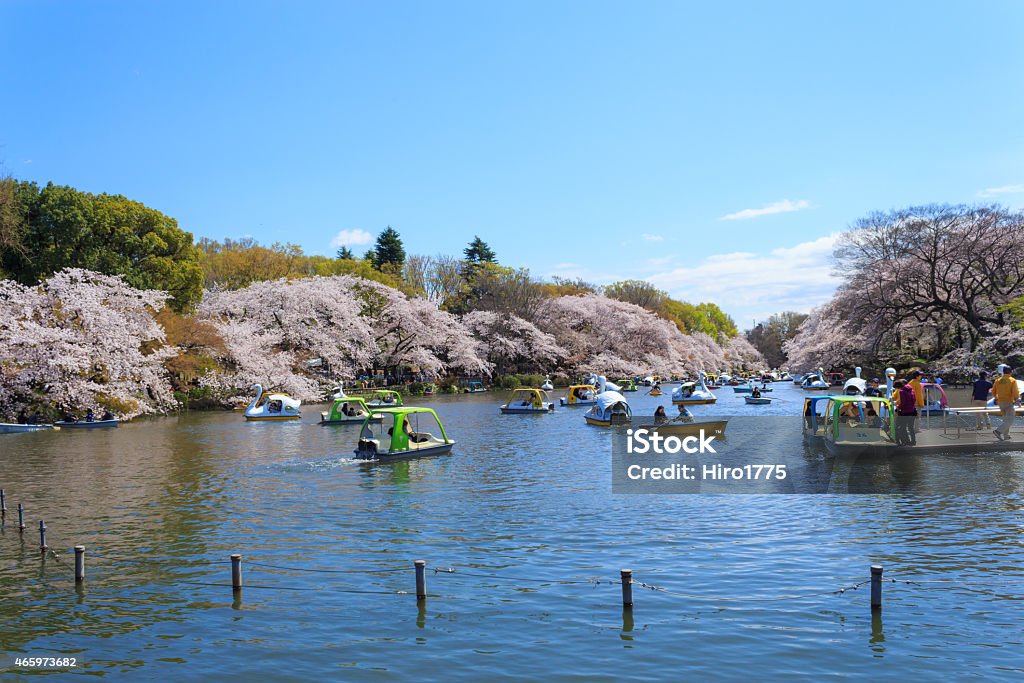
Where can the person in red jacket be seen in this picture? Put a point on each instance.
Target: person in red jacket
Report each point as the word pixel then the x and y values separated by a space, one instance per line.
pixel 906 413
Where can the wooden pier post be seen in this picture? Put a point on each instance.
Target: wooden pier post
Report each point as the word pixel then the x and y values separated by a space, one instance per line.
pixel 236 573
pixel 21 519
pixel 42 536
pixel 421 579
pixel 79 563
pixel 876 587
pixel 627 587
pixel 3 501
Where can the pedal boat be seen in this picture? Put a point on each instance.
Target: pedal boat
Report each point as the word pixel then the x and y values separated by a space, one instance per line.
pixel 579 395
pixel 859 424
pixel 610 408
pixel 405 432
pixel 528 401
pixel 272 407
pixel 337 415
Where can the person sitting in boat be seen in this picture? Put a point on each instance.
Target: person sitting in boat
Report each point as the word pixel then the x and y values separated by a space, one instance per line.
pixel 107 416
pixel 684 414
pixel 415 437
pixel 873 389
pixel 90 416
pixel 274 406
pixel 851 412
pixel 755 393
pixel 871 417
pixel 659 414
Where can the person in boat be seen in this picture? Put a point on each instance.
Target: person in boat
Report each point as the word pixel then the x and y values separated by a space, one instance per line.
pixel 873 389
pixel 90 416
pixel 755 393
pixel 414 437
pixel 871 417
pixel 979 398
pixel 906 413
pixel 107 416
pixel 684 414
pixel 808 415
pixel 1006 394
pixel 659 414
pixel 851 412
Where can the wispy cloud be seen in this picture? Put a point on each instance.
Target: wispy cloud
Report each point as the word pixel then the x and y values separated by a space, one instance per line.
pixel 651 238
pixel 749 285
pixel 785 206
pixel 351 238
pixel 1005 189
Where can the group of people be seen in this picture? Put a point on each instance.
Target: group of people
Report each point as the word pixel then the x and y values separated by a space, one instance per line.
pixel 90 416
pixel 908 397
pixel 351 410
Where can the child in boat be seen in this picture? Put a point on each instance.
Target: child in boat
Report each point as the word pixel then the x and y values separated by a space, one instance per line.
pixel 755 393
pixel 659 414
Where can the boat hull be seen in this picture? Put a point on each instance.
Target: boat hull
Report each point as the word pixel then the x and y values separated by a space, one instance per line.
pixel 606 422
pixel 757 401
pixel 440 449
pixel 14 428
pixel 96 424
pixel 565 404
pixel 693 401
pixel 713 427
pixel 528 411
pixel 271 418
pixel 355 421
pixel 858 448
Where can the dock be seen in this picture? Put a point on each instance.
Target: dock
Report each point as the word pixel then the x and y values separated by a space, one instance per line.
pixel 953 432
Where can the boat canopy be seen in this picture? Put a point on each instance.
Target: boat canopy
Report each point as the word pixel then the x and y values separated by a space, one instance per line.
pixel 385 397
pixel 537 397
pixel 400 424
pixel 607 399
pixel 355 403
pixel 859 408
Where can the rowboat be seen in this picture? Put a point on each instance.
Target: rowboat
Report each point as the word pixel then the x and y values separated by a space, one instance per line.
pixel 679 427
pixel 86 424
pixel 14 428
pixel 756 401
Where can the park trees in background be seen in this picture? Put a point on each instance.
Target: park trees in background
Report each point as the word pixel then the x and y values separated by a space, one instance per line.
pixel 57 227
pixel 769 336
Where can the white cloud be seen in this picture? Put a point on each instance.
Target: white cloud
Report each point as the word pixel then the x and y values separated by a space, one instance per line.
pixel 1005 189
pixel 750 286
pixel 785 206
pixel 652 238
pixel 351 238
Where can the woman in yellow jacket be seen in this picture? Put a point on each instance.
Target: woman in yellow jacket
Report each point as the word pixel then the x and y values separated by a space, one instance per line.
pixel 1006 393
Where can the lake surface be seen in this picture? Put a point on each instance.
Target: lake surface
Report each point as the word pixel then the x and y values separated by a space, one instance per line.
pixel 522 503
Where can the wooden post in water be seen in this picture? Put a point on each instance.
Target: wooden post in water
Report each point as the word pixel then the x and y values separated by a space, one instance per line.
pixel 236 572
pixel 79 563
pixel 876 587
pixel 42 536
pixel 421 579
pixel 627 587
pixel 21 519
pixel 3 501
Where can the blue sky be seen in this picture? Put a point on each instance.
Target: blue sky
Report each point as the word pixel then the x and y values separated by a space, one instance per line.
pixel 712 148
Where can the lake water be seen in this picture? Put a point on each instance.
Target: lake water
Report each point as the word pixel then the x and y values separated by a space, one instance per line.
pixel 522 504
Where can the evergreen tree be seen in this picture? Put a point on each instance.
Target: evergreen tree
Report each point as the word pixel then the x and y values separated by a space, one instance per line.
pixel 479 252
pixel 388 251
pixel 345 254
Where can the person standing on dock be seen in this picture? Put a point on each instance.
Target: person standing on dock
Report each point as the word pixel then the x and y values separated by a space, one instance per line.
pixel 906 413
pixel 979 397
pixel 1006 394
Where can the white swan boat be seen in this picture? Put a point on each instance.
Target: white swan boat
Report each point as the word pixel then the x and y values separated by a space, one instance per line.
pixel 815 381
pixel 272 406
pixel 547 386
pixel 693 393
pixel 855 386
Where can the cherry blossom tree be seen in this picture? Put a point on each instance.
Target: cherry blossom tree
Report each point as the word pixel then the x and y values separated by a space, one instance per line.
pixel 81 340
pixel 512 343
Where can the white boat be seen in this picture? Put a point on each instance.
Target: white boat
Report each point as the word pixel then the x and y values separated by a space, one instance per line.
pixel 610 408
pixel 547 386
pixel 815 381
pixel 14 428
pixel 339 392
pixel 272 406
pixel 757 401
pixel 855 386
pixel 693 393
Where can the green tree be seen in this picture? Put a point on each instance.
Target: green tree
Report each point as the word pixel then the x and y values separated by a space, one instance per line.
pixel 388 252
pixel 479 252
pixel 345 254
pixel 769 336
pixel 65 228
pixel 639 292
